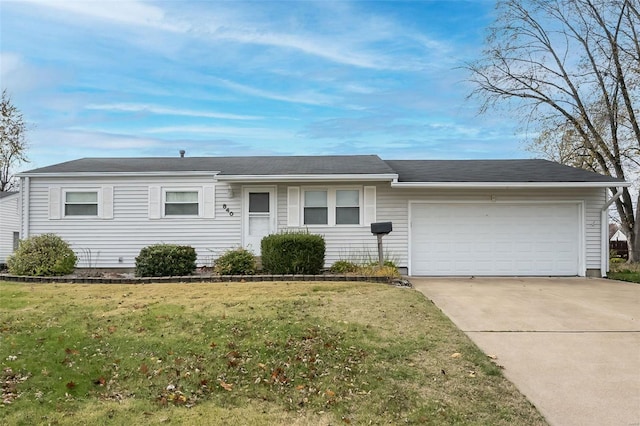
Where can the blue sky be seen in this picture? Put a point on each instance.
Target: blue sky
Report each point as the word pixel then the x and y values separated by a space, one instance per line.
pixel 223 78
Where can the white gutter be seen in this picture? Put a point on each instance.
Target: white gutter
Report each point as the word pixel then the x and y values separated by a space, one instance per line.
pixel 306 178
pixel 604 219
pixel 506 185
pixel 109 174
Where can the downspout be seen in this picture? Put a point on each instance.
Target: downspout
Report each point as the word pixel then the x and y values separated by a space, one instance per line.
pixel 604 219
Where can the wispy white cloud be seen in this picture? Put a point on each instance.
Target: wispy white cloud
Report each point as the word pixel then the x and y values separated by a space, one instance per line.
pixel 309 97
pixel 160 110
pixel 132 13
pixel 260 133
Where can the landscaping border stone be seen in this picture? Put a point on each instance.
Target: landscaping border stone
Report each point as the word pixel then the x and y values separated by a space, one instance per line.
pixel 193 279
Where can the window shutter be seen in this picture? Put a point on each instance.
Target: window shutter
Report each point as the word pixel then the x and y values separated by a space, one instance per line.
pixel 208 201
pixel 293 206
pixel 107 202
pixel 369 205
pixel 155 202
pixel 54 203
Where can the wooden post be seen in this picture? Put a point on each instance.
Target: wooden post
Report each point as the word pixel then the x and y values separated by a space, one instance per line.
pixel 380 252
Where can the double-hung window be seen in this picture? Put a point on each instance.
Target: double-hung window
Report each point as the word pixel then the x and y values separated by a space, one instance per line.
pixel 81 203
pixel 316 209
pixel 347 207
pixel 181 203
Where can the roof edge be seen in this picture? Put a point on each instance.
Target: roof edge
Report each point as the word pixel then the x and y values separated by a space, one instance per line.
pixel 489 185
pixel 308 178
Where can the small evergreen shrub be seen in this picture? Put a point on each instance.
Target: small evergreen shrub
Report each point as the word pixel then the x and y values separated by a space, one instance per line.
pixel 343 266
pixel 236 262
pixel 293 253
pixel 166 260
pixel 42 255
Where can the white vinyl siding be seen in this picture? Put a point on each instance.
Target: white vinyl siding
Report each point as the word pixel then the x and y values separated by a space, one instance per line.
pixel 9 224
pixel 116 242
pixel 136 201
pixel 392 205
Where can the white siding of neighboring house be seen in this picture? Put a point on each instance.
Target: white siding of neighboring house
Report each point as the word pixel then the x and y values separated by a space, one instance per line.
pixel 9 223
pixel 115 242
pixel 130 229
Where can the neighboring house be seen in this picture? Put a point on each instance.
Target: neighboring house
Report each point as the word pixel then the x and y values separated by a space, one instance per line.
pixel 618 236
pixel 9 224
pixel 475 217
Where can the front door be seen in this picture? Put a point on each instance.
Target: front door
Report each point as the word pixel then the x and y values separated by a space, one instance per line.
pixel 259 218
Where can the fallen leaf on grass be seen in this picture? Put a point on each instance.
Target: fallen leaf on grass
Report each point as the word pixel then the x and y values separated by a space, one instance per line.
pixel 472 374
pixel 456 355
pixel 144 369
pixel 99 381
pixel 71 351
pixel 71 385
pixel 492 356
pixel 226 386
pixel 330 393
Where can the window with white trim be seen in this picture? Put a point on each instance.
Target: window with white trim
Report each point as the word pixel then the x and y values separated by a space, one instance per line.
pixel 347 207
pixel 81 203
pixel 316 210
pixel 181 203
pixel 341 205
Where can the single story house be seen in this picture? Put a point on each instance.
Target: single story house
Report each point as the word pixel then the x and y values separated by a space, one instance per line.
pixel 467 217
pixel 9 224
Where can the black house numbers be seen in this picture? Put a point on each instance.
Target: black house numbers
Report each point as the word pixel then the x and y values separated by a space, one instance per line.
pixel 227 209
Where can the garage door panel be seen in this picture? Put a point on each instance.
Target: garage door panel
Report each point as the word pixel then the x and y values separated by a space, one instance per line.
pixel 494 239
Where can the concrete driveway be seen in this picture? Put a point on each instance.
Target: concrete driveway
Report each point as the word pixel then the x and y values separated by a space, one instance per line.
pixel 570 345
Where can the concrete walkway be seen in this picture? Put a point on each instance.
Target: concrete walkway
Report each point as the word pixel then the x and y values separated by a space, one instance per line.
pixel 570 345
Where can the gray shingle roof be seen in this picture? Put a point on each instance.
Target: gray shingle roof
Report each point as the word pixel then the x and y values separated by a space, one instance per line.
pixel 289 165
pixel 7 193
pixel 492 171
pixel 408 170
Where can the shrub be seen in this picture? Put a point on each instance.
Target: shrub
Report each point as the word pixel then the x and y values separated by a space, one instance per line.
pixel 343 266
pixel 42 255
pixel 165 260
pixel 293 253
pixel 236 262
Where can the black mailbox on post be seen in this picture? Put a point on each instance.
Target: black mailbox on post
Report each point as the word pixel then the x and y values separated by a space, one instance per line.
pixel 381 228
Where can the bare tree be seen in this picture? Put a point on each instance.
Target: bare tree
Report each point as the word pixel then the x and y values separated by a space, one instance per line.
pixel 13 143
pixel 572 69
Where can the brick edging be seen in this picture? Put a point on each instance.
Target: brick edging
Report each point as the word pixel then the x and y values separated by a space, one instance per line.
pixel 192 279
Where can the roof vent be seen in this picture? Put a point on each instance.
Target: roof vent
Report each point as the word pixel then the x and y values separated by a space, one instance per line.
pixel 182 152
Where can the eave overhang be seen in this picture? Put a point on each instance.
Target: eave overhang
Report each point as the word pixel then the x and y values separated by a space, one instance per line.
pixel 306 178
pixel 508 185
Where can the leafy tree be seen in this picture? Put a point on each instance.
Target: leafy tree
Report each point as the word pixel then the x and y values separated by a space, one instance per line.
pixel 571 68
pixel 13 143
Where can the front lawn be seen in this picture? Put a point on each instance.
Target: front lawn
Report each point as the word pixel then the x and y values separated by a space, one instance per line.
pixel 242 353
pixel 624 272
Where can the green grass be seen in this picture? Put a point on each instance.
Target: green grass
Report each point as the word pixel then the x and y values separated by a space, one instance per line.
pixel 250 353
pixel 624 271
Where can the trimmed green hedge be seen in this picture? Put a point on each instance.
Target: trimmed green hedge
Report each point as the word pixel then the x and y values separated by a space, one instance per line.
pixel 166 260
pixel 293 253
pixel 42 255
pixel 236 262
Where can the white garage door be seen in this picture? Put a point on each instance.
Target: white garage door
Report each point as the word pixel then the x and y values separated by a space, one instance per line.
pixel 495 239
